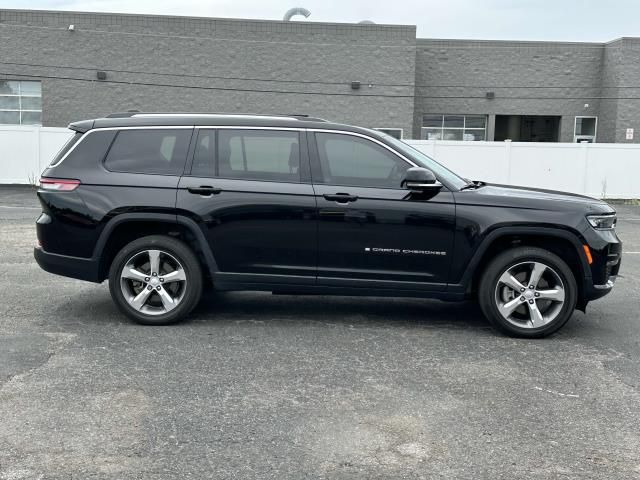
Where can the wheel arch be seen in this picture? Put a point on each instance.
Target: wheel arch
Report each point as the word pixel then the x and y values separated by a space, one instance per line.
pixel 127 227
pixel 565 244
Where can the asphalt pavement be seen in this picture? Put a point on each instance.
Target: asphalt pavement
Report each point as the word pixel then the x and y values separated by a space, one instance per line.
pixel 262 386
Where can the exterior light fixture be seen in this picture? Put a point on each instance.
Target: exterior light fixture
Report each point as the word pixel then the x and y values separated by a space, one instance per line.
pixel 72 28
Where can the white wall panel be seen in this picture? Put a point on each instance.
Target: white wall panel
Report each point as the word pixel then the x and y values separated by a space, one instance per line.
pixel 603 170
pixel 599 170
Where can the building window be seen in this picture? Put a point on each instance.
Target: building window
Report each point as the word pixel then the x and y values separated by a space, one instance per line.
pixel 20 102
pixel 585 129
pixel 454 127
pixel 392 132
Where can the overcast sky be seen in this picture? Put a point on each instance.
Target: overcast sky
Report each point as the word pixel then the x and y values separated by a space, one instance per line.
pixel 579 20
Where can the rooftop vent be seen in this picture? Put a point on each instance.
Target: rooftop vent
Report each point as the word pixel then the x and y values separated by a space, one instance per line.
pixel 292 12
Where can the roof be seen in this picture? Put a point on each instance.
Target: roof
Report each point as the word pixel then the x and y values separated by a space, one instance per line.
pixel 140 119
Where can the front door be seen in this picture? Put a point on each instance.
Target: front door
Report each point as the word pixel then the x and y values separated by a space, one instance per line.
pixel 371 231
pixel 250 190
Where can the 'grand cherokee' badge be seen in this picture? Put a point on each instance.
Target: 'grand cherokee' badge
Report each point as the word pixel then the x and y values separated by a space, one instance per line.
pixel 403 251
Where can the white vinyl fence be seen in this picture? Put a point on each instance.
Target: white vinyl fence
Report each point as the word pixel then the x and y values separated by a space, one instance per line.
pixel 26 151
pixel 603 170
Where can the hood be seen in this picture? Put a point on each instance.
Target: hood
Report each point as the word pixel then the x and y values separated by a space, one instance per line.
pixel 538 198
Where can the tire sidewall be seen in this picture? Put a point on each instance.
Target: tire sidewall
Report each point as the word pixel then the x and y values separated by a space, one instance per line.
pixel 182 253
pixel 507 260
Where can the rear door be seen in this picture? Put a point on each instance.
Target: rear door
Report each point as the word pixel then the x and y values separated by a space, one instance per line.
pixel 371 231
pixel 250 190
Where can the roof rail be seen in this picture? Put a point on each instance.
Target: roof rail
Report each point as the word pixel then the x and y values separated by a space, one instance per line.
pixel 305 117
pixel 136 113
pixel 128 113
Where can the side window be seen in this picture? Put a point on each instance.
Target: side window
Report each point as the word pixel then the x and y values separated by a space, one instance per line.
pixel 156 151
pixel 90 150
pixel 271 155
pixel 204 154
pixel 350 160
pixel 65 148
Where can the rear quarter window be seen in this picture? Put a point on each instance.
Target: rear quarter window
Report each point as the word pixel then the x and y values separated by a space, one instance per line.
pixel 65 148
pixel 154 151
pixel 83 151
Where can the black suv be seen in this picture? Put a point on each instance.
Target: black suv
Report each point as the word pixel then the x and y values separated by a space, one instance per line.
pixel 163 204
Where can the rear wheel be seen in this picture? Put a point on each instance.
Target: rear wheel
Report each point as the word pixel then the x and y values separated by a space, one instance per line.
pixel 155 280
pixel 528 292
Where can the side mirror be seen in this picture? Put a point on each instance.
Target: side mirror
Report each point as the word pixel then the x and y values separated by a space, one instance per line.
pixel 420 179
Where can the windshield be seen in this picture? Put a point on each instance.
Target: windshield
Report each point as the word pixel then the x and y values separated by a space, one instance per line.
pixel 443 174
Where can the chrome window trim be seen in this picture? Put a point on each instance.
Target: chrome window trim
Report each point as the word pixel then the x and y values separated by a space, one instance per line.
pixel 233 127
pixel 375 140
pixel 106 129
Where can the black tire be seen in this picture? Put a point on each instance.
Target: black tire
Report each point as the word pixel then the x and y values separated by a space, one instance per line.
pixel 176 250
pixel 489 284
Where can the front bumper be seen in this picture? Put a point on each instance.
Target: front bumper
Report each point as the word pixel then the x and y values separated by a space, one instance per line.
pixel 604 271
pixel 67 266
pixel 593 292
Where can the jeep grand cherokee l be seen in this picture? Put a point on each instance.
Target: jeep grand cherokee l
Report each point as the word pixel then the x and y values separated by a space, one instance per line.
pixel 161 204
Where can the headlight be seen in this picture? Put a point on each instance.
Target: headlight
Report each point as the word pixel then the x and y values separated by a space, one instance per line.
pixel 602 222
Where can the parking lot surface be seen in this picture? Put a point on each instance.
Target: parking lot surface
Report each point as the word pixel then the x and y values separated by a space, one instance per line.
pixel 263 386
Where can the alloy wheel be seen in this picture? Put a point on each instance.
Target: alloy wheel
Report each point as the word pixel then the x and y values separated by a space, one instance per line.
pixel 153 282
pixel 530 294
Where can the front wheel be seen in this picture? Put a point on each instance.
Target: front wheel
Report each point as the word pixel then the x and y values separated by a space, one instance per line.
pixel 155 280
pixel 528 292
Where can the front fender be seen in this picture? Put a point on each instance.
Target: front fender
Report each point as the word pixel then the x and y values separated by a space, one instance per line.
pixel 464 281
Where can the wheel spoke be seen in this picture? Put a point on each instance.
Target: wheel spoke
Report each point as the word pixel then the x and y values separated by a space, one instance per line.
pixel 167 300
pixel 508 308
pixel 539 282
pixel 536 274
pixel 154 261
pixel 175 276
pixel 511 282
pixel 536 318
pixel 556 294
pixel 139 300
pixel 155 297
pixel 133 274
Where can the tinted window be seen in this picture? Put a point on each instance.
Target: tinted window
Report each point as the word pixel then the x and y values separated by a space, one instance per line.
pixel 66 147
pixel 204 154
pixel 425 161
pixel 156 151
pixel 259 155
pixel 349 160
pixel 89 150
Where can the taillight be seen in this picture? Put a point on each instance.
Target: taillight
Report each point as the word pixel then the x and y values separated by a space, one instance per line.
pixel 59 184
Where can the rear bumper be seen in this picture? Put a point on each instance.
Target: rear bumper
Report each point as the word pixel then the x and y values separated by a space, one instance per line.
pixel 73 267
